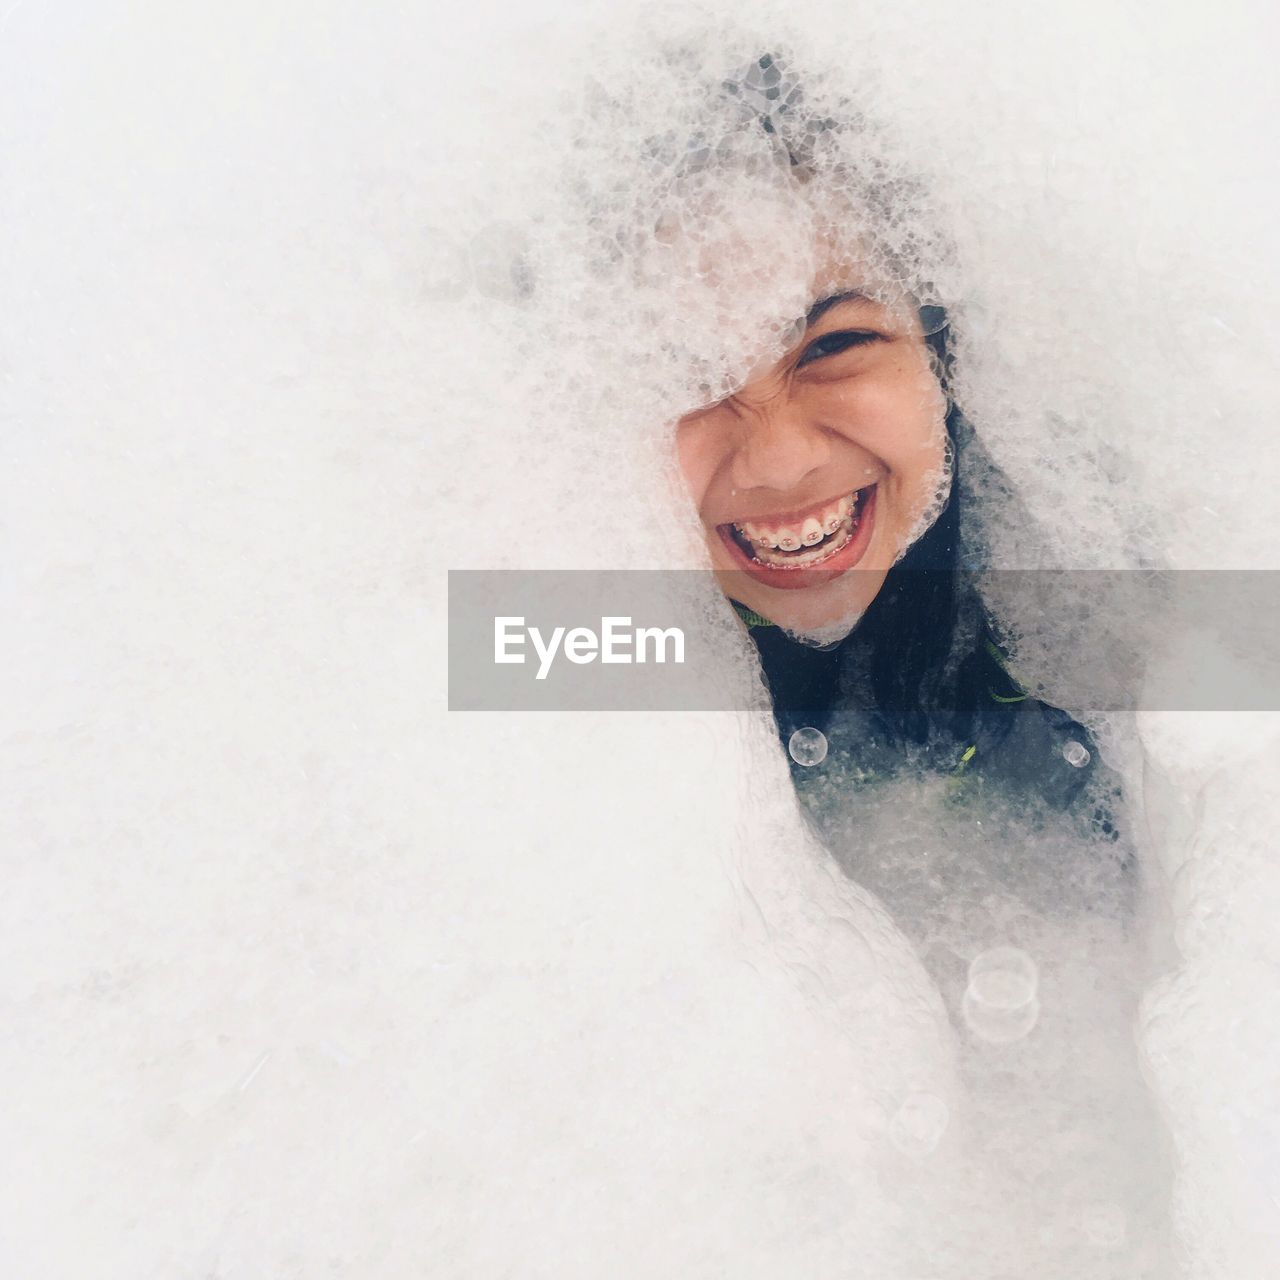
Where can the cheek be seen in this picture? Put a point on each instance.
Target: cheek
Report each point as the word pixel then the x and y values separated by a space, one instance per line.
pixel 699 451
pixel 900 421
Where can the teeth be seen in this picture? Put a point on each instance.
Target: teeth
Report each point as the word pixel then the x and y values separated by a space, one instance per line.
pixel 755 534
pixel 806 559
pixel 808 533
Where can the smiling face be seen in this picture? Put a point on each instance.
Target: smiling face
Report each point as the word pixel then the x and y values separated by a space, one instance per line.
pixel 814 478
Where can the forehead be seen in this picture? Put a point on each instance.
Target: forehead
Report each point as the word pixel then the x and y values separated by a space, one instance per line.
pixel 847 277
pixel 767 245
pixel 846 260
pixel 753 286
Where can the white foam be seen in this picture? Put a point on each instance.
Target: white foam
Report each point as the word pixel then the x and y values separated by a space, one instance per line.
pixel 304 974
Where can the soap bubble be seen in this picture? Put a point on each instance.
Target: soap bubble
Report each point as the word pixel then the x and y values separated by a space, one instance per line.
pixel 1000 1003
pixel 808 746
pixel 1000 1026
pixel 919 1124
pixel 1076 754
pixel 933 319
pixel 1004 978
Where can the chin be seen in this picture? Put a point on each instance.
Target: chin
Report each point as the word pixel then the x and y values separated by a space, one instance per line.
pixel 818 615
pixel 827 634
pixel 833 617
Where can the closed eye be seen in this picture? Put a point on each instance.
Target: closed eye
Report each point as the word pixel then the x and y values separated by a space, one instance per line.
pixel 831 344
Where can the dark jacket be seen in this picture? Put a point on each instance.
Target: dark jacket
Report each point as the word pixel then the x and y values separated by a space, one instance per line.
pixel 974 724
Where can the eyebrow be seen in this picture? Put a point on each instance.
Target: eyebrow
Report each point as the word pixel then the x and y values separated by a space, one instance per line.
pixel 820 309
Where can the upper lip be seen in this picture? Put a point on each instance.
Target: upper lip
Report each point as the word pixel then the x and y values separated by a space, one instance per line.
pixel 795 515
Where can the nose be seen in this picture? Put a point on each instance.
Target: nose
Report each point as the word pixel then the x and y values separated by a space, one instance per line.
pixel 778 448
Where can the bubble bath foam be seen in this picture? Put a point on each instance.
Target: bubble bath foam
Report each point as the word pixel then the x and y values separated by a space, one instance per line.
pixel 303 974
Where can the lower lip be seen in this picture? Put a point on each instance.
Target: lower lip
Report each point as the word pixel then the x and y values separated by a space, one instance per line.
pixel 827 571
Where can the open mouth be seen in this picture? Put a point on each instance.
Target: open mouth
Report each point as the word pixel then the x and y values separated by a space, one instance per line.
pixel 826 539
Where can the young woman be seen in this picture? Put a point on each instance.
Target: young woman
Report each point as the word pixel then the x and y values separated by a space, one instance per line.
pixel 829 490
